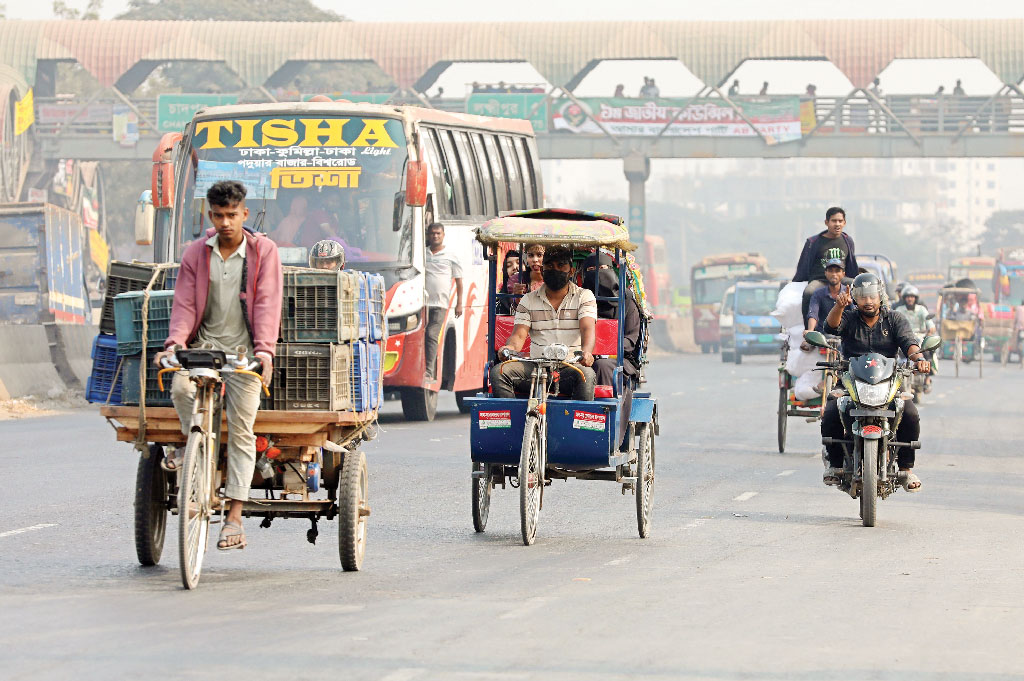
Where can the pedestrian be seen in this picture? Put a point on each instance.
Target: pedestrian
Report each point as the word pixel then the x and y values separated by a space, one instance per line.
pixel 812 90
pixel 440 93
pixel 876 88
pixel 620 91
pixel 442 267
pixel 941 91
pixel 959 88
pixel 653 91
pixel 646 88
pixel 734 89
pixel 764 88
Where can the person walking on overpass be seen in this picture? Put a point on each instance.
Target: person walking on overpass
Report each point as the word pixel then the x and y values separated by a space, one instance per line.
pixel 832 243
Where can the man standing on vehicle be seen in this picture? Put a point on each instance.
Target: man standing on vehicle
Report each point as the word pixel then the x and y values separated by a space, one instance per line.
pixel 866 329
pixel 442 267
pixel 228 294
pixel 557 312
pixel 819 249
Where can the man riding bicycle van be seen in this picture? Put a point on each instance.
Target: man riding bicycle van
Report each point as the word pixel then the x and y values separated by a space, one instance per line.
pixel 872 327
pixel 228 294
pixel 557 312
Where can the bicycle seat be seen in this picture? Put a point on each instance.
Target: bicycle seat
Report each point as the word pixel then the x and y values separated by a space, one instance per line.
pixel 202 359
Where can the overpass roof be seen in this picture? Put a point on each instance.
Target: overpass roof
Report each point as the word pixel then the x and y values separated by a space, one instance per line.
pixel 560 51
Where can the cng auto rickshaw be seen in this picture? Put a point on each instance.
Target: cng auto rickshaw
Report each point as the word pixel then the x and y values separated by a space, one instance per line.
pixel 539 436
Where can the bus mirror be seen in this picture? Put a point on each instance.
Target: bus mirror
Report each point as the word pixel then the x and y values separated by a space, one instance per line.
pixel 145 219
pixel 163 171
pixel 416 183
pixel 396 216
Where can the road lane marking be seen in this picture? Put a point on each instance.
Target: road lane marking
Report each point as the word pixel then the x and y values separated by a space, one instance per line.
pixel 816 455
pixel 526 608
pixel 619 561
pixel 785 473
pixel 745 496
pixel 404 674
pixel 10 533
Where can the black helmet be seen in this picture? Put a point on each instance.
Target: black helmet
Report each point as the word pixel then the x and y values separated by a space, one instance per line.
pixel 327 255
pixel 867 285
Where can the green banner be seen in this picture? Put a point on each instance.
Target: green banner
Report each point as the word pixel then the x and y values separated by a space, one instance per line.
pixel 532 107
pixel 173 112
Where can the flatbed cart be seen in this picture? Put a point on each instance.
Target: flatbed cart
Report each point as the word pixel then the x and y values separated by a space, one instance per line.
pixel 316 473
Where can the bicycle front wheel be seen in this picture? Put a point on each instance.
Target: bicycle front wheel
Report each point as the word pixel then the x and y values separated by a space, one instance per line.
pixel 531 479
pixel 195 505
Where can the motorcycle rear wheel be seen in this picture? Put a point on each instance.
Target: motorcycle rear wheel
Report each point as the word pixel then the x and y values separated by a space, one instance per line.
pixel 869 482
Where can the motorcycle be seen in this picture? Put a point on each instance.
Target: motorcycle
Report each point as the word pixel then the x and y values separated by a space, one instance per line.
pixel 871 408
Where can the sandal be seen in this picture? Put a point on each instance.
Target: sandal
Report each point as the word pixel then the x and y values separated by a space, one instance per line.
pixel 912 479
pixel 228 532
pixel 832 476
pixel 171 461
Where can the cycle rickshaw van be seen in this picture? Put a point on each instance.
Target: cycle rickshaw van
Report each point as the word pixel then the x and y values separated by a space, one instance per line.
pixel 960 325
pixel 528 441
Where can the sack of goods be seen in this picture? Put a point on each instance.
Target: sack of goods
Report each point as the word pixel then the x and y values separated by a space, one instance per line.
pixel 804 388
pixel 329 354
pixel 799 362
pixel 789 305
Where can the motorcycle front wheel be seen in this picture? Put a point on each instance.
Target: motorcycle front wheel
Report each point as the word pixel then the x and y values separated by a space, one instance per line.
pixel 869 482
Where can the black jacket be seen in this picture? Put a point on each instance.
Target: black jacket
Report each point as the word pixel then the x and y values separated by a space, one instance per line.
pixel 803 266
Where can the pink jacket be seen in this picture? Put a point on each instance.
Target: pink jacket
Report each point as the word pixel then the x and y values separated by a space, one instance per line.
pixel 263 291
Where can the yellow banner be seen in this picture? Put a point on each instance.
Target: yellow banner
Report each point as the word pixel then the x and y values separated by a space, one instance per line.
pixel 24 114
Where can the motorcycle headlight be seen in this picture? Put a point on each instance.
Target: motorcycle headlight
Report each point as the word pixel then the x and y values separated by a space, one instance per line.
pixel 873 395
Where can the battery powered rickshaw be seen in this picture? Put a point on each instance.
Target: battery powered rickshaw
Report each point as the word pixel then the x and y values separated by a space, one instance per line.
pixel 960 326
pixel 530 440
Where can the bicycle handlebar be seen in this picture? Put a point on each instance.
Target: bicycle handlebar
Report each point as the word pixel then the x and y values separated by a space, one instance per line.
pixel 232 366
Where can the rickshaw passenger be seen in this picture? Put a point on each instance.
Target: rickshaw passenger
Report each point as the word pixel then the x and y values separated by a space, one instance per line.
pixel 599 274
pixel 557 312
pixel 510 275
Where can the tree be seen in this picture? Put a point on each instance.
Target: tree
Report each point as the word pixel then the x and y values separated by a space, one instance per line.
pixel 1004 228
pixel 228 10
pixel 62 10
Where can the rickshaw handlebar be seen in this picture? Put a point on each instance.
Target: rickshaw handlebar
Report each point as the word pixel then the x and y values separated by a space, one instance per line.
pixel 235 364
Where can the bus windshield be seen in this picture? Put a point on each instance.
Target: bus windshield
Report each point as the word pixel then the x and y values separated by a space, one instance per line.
pixel 309 177
pixel 756 301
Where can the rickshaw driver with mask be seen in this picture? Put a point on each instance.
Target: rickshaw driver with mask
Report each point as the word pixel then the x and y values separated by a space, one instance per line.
pixel 557 312
pixel 872 327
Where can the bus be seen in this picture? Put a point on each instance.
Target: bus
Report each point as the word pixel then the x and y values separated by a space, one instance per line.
pixel 373 177
pixel 979 269
pixel 709 280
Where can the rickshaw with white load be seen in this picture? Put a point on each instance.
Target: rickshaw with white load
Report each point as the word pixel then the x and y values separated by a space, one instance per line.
pixel 528 441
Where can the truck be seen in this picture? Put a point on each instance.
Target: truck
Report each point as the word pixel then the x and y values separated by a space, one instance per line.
pixel 709 280
pixel 752 330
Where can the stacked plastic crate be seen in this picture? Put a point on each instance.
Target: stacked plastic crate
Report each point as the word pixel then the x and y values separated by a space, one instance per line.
pixel 332 327
pixel 113 370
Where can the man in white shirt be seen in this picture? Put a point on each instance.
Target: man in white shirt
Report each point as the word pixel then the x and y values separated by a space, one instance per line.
pixel 442 267
pixel 557 312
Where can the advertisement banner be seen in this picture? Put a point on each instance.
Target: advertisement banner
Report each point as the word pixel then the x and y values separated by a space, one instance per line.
pixel 24 113
pixel 529 106
pixel 173 112
pixel 64 112
pixel 777 118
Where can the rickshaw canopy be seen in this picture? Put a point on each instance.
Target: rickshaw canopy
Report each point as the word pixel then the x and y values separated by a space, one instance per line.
pixel 557 226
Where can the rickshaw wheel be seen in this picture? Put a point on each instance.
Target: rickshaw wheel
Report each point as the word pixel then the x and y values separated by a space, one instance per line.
pixel 353 509
pixel 783 418
pixel 150 506
pixel 531 480
pixel 644 480
pixel 481 496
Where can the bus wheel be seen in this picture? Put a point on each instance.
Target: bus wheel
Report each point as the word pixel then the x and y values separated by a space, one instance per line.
pixel 419 404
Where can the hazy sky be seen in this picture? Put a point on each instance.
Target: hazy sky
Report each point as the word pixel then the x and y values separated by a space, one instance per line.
pixel 539 10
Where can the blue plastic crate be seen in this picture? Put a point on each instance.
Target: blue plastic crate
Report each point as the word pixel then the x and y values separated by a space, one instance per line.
pixel 104 383
pixel 377 292
pixel 128 320
pixel 374 379
pixel 362 395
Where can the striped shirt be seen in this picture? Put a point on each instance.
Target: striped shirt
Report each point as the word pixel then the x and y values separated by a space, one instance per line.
pixel 548 325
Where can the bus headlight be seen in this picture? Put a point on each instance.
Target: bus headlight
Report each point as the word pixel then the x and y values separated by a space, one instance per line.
pixel 403 324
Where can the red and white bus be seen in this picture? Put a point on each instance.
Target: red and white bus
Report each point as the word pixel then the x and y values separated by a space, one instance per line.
pixel 374 177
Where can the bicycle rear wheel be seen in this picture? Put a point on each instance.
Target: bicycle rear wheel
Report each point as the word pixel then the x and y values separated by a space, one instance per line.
pixel 195 494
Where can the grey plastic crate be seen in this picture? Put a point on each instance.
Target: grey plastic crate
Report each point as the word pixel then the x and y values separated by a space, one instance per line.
pixel 311 376
pixel 319 306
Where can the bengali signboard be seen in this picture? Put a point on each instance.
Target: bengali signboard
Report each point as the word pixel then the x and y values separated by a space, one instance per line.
pixel 529 106
pixel 777 118
pixel 173 112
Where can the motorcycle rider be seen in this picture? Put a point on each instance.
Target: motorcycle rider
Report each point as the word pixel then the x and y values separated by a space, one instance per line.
pixel 819 249
pixel 917 314
pixel 872 327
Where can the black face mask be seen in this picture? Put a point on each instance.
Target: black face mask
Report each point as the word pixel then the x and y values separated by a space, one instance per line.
pixel 555 280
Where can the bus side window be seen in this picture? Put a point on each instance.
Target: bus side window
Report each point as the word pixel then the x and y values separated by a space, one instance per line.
pixel 451 162
pixel 529 176
pixel 515 180
pixel 498 171
pixel 467 162
pixel 442 183
pixel 486 181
